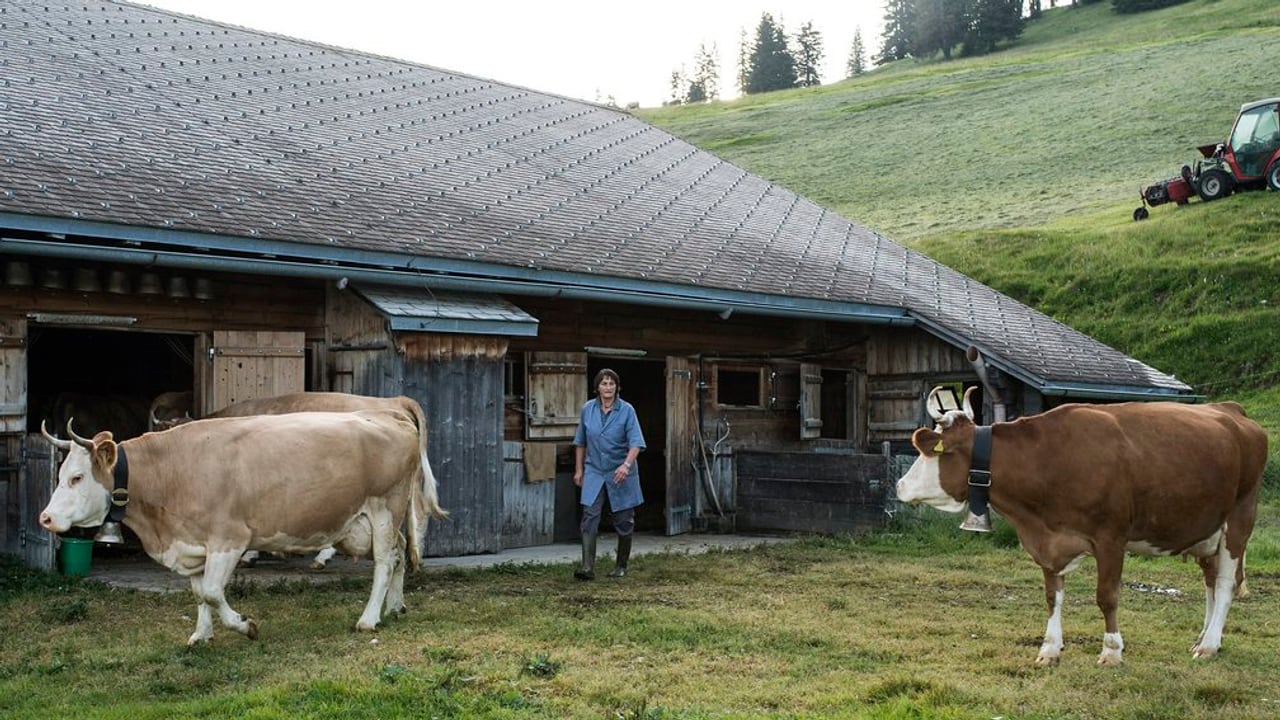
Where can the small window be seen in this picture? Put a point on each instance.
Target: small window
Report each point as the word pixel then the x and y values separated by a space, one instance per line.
pixel 739 387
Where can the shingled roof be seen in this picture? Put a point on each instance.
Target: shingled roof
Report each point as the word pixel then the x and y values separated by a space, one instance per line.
pixel 128 129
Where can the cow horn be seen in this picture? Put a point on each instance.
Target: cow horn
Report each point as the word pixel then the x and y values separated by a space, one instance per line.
pixel 87 444
pixel 935 413
pixel 155 421
pixel 967 406
pixel 63 445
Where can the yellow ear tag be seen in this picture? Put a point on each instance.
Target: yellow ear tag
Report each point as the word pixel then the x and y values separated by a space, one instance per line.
pixel 938 448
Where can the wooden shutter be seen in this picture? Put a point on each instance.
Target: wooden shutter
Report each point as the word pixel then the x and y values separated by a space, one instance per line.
pixel 244 365
pixel 810 401
pixel 555 389
pixel 13 375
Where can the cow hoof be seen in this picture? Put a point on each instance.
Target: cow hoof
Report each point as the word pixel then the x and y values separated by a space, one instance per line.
pixel 197 639
pixel 366 627
pixel 317 565
pixel 1109 659
pixel 1043 660
pixel 251 631
pixel 1203 652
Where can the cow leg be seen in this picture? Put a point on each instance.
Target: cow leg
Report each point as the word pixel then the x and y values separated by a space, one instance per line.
pixel 204 618
pixel 1110 568
pixel 395 591
pixel 210 590
pixel 322 558
pixel 1051 649
pixel 1219 583
pixel 384 535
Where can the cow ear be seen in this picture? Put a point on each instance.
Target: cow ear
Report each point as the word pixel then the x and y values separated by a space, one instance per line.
pixel 928 442
pixel 104 450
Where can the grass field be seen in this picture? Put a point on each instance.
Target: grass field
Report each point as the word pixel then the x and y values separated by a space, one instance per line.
pixel 1088 107
pixel 923 621
pixel 1021 170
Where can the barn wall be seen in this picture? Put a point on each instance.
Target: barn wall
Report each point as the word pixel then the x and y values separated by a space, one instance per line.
pixel 461 392
pixel 902 366
pixel 233 302
pixel 528 494
pixel 813 492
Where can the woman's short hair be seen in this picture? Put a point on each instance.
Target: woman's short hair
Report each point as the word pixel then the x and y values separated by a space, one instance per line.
pixel 606 373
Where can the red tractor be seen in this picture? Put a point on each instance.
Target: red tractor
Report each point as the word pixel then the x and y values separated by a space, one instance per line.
pixel 1249 159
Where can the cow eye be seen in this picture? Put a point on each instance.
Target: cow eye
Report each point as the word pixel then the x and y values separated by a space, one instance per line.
pixel 75 480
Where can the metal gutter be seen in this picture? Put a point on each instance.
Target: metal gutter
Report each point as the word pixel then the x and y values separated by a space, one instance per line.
pixel 423 272
pixel 1093 391
pixel 464 327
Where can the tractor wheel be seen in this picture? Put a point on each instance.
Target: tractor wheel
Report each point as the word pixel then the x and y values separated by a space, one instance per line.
pixel 1214 184
pixel 1273 176
pixel 1140 214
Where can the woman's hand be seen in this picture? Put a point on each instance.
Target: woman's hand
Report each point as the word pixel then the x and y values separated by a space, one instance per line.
pixel 621 472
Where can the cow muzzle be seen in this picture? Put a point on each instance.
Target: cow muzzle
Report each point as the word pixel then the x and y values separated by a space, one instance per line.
pixel 48 522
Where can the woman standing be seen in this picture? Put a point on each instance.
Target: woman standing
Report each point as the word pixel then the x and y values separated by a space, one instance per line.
pixel 605 449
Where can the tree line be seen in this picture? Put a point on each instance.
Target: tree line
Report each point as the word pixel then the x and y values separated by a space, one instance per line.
pixel 770 60
pixel 773 60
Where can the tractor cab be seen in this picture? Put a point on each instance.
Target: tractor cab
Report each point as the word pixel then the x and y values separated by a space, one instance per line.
pixel 1254 145
pixel 1250 158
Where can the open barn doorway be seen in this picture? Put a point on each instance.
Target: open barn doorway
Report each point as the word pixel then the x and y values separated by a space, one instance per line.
pixel 102 380
pixel 644 386
pixel 118 371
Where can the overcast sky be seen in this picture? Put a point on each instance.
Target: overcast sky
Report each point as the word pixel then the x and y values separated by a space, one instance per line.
pixel 585 49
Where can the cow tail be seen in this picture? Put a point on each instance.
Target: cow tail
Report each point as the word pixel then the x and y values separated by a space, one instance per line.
pixel 415 520
pixel 429 494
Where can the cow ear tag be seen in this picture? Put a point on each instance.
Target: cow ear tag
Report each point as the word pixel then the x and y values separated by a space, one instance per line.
pixel 938 448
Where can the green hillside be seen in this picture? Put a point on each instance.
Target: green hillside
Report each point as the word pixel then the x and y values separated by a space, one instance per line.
pixel 1022 169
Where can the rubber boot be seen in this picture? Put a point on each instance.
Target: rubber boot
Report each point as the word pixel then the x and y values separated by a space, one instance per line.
pixel 621 558
pixel 588 569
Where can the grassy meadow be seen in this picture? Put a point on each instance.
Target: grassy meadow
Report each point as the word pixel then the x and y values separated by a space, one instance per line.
pixel 922 621
pixel 1019 169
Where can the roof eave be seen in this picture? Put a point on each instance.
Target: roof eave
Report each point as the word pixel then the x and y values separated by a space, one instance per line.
pixel 1057 388
pixel 198 251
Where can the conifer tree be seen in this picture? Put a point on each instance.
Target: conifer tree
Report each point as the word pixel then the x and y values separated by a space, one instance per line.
pixel 899 23
pixel 857 55
pixel 808 56
pixel 706 72
pixel 771 66
pixel 744 61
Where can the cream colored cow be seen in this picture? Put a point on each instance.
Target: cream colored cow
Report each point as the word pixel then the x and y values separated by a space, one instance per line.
pixel 201 494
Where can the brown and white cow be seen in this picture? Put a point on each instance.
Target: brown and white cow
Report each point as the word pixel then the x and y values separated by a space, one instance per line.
pixel 339 402
pixel 1155 478
pixel 169 409
pixel 200 494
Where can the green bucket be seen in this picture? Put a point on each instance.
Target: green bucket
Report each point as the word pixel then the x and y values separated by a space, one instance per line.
pixel 76 555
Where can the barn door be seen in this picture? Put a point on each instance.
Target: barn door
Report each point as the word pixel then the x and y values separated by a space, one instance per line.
pixel 556 388
pixel 810 401
pixel 36 477
pixel 681 429
pixel 244 365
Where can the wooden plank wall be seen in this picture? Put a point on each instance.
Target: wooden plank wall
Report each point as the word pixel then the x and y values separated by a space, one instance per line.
pixel 234 302
pixel 902 366
pixel 529 508
pixel 38 476
pixel 812 492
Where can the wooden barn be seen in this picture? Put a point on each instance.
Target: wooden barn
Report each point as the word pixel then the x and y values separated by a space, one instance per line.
pixel 192 206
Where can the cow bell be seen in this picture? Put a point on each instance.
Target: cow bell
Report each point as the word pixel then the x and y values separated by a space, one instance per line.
pixel 977 523
pixel 109 534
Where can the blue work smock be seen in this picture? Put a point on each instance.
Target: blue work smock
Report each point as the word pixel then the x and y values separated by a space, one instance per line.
pixel 607 437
